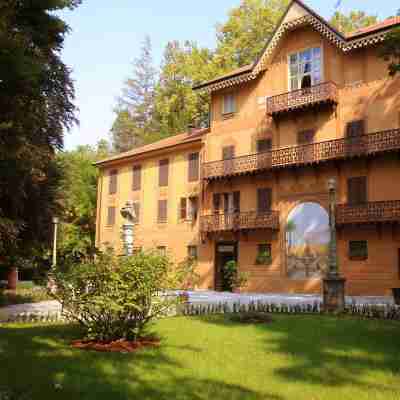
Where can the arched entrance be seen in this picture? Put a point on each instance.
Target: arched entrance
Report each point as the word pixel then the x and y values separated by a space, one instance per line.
pixel 307 241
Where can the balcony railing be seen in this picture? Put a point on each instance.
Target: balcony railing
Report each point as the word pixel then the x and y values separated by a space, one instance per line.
pixel 305 154
pixel 371 212
pixel 322 93
pixel 239 221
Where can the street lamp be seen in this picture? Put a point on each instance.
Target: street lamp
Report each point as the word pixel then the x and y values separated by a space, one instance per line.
pixel 56 221
pixel 333 283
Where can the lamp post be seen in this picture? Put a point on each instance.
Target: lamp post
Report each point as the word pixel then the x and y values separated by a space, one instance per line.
pixel 129 215
pixel 333 283
pixel 56 221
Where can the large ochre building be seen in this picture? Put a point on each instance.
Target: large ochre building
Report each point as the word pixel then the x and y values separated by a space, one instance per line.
pixel 253 187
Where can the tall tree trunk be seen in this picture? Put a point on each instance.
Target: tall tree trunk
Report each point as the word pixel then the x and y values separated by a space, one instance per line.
pixel 12 278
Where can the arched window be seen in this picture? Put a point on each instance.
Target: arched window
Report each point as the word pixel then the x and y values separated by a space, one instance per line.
pixel 307 241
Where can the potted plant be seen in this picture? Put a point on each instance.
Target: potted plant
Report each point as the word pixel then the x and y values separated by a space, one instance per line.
pixel 264 258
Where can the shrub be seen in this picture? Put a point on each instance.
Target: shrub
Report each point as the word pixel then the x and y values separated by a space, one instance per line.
pixel 234 278
pixel 115 297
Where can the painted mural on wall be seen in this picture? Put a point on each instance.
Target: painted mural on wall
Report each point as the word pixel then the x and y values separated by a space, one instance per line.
pixel 307 241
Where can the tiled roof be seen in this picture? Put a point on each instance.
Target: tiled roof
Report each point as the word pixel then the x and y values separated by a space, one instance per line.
pixel 387 23
pixel 183 138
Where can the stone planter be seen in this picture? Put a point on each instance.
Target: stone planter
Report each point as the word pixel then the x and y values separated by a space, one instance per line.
pixel 396 296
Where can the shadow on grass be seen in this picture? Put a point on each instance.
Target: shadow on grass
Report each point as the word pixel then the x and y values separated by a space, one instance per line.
pixel 331 351
pixel 23 296
pixel 40 363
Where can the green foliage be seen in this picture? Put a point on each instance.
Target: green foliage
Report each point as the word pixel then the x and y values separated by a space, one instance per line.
pixel 23 295
pixel 390 51
pixel 187 274
pixel 36 95
pixel 234 278
pixel 115 297
pixel 353 21
pixel 263 258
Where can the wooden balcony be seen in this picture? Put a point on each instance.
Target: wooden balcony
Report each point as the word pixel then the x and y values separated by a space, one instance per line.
pixel 239 221
pixel 323 93
pixel 314 153
pixel 368 213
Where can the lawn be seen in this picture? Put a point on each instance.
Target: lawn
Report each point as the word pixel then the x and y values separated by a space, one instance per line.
pixel 294 357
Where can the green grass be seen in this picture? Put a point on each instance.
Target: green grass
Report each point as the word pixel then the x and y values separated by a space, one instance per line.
pixel 294 357
pixel 27 292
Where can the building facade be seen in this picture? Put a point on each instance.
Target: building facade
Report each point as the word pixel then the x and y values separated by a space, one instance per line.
pixel 315 105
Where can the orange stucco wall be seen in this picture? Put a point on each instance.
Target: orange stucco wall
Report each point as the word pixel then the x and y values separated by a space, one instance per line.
pixel 365 92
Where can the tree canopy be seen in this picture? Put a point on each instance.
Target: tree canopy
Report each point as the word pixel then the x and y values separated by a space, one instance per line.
pixel 353 21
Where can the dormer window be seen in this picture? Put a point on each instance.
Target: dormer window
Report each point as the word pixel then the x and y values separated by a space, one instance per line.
pixel 228 106
pixel 305 68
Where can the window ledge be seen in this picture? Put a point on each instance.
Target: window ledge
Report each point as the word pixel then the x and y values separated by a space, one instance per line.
pixel 358 258
pixel 228 115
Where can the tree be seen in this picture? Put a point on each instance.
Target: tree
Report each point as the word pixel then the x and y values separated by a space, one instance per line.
pixel 249 27
pixel 352 22
pixel 36 102
pixel 390 51
pixel 135 122
pixel 79 195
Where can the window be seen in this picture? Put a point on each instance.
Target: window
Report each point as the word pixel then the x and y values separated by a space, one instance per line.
pixel 228 152
pixel 216 202
pixel 183 209
pixel 305 136
pixel 305 68
pixel 163 172
pixel 192 252
pixel 357 190
pixel 136 209
pixel 110 216
pixel 264 199
pixel 354 129
pixel 162 250
pixel 358 250
pixel 162 211
pixel 193 167
pixel 188 208
pixel 231 202
pixel 193 208
pixel 264 145
pixel 113 182
pixel 137 177
pixel 264 255
pixel 228 104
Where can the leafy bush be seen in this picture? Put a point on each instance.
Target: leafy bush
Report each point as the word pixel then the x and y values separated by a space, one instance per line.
pixel 234 278
pixel 115 297
pixel 187 275
pixel 264 258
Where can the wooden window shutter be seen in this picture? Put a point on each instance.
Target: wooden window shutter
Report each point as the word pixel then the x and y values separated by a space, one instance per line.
pixel 163 172
pixel 355 128
pixel 236 201
pixel 136 207
pixel 111 216
pixel 193 207
pixel 183 208
pixel 113 181
pixel 162 210
pixel 137 177
pixel 193 167
pixel 228 152
pixel 264 145
pixel 264 199
pixel 305 136
pixel 216 202
pixel 226 203
pixel 357 190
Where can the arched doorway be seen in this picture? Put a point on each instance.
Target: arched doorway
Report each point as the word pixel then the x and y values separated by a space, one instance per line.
pixel 307 241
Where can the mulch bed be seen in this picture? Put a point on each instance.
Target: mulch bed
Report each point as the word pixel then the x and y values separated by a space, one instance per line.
pixel 117 346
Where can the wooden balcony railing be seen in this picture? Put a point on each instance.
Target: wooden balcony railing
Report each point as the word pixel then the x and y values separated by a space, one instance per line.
pixel 239 221
pixel 286 102
pixel 371 212
pixel 305 154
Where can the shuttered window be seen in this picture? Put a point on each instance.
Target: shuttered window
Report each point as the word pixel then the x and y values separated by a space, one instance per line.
pixel 264 199
pixel 162 250
pixel 137 177
pixel 193 208
pixel 357 190
pixel 305 136
pixel 264 145
pixel 216 202
pixel 162 211
pixel 136 208
pixel 358 250
pixel 193 167
pixel 355 129
pixel 228 152
pixel 111 216
pixel 183 208
pixel 192 252
pixel 113 181
pixel 229 105
pixel 163 172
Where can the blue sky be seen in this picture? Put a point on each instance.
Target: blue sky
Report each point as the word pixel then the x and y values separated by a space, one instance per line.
pixel 106 36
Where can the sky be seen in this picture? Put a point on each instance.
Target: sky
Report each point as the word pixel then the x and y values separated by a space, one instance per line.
pixel 107 35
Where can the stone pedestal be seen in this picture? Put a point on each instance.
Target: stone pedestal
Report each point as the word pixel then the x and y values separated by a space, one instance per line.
pixel 12 279
pixel 333 293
